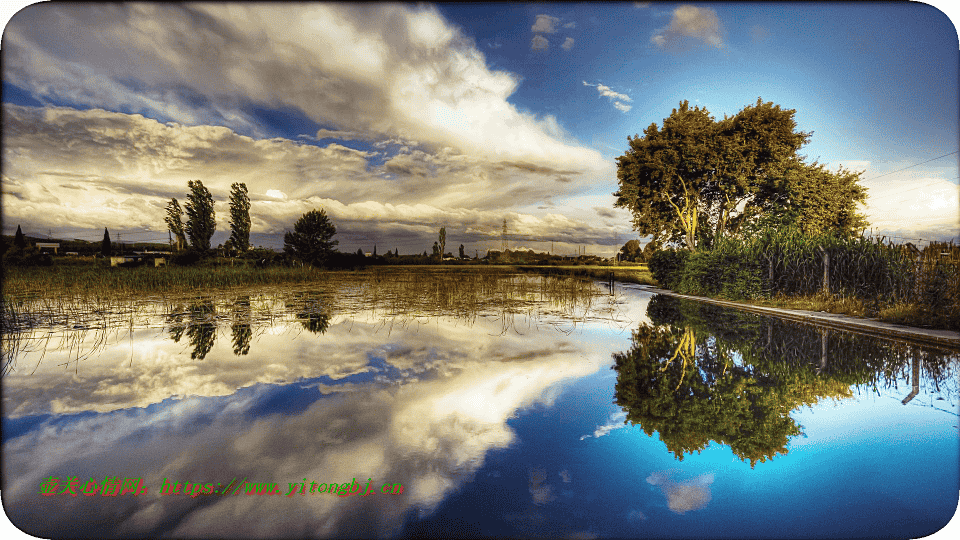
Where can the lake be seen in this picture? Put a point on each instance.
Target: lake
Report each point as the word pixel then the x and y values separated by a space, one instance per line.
pixel 452 403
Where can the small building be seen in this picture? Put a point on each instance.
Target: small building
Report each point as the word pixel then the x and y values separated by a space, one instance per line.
pixel 49 245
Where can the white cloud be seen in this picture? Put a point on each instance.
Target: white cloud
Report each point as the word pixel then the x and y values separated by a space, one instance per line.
pixel 93 169
pixel 690 22
pixel 539 43
pixel 617 420
pixel 686 496
pixel 616 98
pixel 545 24
pixel 379 70
pixel 570 25
pixel 568 44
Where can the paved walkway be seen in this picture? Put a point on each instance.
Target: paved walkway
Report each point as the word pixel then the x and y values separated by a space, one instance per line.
pixel 943 338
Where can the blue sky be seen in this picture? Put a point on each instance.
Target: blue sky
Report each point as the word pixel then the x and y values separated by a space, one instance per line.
pixel 401 119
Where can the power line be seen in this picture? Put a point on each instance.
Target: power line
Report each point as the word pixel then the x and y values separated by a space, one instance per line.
pixel 914 165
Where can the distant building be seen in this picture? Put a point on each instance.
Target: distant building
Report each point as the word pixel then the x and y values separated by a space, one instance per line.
pixel 54 245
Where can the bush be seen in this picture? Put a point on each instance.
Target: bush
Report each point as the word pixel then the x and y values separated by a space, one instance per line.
pixel 29 256
pixel 667 267
pixel 186 258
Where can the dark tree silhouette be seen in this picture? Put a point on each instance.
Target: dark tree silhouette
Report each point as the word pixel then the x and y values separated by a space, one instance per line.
pixel 312 238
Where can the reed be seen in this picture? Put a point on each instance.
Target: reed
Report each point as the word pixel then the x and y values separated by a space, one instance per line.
pixel 866 277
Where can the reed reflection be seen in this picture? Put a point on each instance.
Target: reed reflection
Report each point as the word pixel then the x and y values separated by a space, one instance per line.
pixel 703 373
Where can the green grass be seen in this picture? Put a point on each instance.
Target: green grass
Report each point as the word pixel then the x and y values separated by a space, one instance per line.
pixel 97 280
pixel 625 274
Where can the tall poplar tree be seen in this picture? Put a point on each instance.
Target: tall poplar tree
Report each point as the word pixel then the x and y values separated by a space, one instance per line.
pixel 174 222
pixel 442 242
pixel 239 217
pixel 200 216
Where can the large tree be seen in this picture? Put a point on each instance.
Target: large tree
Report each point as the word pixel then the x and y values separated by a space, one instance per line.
pixel 174 222
pixel 697 179
pixel 200 216
pixel 239 217
pixel 312 238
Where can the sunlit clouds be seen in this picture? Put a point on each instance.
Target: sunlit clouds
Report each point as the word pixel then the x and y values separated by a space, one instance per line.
pixel 690 22
pixel 400 119
pixel 363 72
pixel 118 171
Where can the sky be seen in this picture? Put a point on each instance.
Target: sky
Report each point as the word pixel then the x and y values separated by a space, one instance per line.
pixel 399 119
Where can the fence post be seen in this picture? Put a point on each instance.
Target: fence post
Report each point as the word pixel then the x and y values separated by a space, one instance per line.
pixel 826 269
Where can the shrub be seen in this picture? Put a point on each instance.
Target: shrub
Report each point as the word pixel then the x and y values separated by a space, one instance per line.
pixel 667 266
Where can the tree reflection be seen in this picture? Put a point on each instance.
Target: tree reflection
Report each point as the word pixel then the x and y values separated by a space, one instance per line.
pixel 200 327
pixel 241 330
pixel 312 311
pixel 703 373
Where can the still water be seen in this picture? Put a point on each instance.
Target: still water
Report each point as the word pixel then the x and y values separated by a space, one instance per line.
pixel 501 404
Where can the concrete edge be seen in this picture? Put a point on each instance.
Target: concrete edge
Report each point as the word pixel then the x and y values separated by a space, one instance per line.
pixel 945 339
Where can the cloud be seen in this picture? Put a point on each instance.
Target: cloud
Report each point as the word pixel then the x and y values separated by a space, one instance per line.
pixel 93 169
pixel 605 212
pixel 542 492
pixel 616 421
pixel 570 25
pixel 700 24
pixel 539 43
pixel 641 5
pixel 545 24
pixel 568 44
pixel 616 98
pixel 380 70
pixel 432 431
pixel 342 135
pixel 686 496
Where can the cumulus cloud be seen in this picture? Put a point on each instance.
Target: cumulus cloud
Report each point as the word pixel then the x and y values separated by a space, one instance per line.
pixel 568 44
pixel 690 22
pixel 616 98
pixel 545 24
pixel 570 25
pixel 91 169
pixel 377 70
pixel 539 43
pixel 684 496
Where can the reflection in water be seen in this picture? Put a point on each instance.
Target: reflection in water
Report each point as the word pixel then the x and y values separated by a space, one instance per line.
pixel 685 496
pixel 474 392
pixel 701 373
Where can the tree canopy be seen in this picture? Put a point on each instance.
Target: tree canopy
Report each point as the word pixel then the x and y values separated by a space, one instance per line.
pixel 200 216
pixel 696 179
pixel 312 238
pixel 239 217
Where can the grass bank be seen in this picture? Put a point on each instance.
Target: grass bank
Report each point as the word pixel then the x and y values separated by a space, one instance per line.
pixel 86 280
pixel 625 274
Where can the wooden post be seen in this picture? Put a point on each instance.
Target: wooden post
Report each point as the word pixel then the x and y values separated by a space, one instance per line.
pixel 823 349
pixel 826 270
pixel 916 381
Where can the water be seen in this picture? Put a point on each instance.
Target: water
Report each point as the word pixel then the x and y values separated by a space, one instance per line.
pixel 503 405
